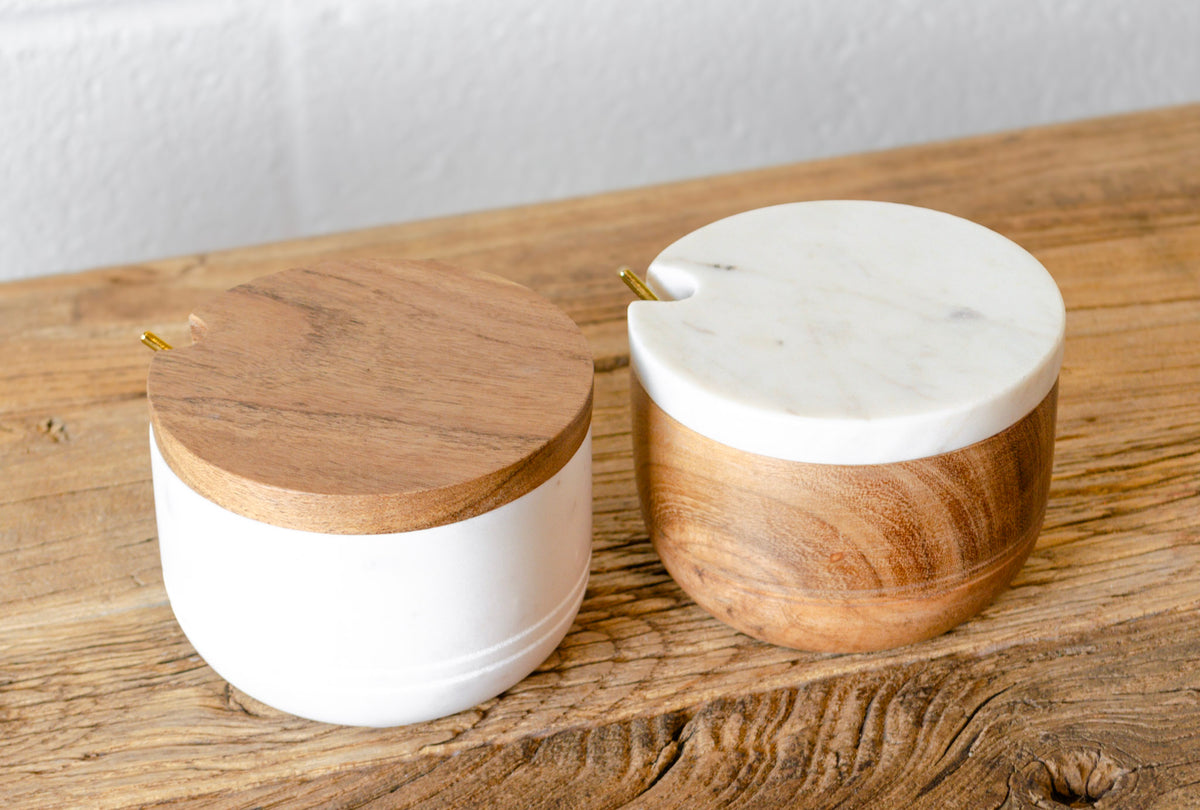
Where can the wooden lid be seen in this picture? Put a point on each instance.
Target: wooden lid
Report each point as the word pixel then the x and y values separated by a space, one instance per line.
pixel 369 397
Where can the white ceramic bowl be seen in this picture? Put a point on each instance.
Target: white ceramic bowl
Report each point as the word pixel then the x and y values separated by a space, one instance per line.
pixel 378 629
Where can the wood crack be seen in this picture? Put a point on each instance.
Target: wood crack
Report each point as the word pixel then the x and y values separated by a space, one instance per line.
pixel 671 753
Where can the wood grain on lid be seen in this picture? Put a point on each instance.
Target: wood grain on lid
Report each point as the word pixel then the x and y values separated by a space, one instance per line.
pixel 365 397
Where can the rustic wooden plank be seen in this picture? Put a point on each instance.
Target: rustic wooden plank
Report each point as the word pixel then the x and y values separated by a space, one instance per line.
pixel 1072 720
pixel 103 703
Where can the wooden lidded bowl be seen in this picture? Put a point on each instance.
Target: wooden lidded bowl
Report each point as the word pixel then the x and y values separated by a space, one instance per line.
pixel 844 419
pixel 373 486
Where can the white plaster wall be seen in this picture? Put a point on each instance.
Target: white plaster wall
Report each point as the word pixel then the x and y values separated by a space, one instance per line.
pixel 131 129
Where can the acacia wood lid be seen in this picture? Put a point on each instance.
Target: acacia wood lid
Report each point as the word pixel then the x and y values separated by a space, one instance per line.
pixel 369 397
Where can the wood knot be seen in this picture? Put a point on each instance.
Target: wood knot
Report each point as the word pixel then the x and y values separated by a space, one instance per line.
pixel 54 429
pixel 1079 778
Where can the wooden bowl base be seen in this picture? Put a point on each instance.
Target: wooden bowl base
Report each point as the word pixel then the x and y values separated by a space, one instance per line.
pixel 840 558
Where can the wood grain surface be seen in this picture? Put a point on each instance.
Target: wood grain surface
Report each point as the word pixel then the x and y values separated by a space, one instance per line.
pixel 1077 686
pixel 841 558
pixel 369 397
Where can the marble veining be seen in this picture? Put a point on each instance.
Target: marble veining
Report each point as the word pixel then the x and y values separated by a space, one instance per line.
pixel 847 332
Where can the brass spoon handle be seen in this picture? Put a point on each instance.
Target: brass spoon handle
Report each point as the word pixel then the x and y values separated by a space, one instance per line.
pixel 154 342
pixel 637 285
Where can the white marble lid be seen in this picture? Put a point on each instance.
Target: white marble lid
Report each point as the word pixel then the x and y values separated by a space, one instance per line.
pixel 847 332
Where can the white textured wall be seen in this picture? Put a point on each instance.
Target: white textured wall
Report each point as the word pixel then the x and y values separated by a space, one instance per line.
pixel 131 129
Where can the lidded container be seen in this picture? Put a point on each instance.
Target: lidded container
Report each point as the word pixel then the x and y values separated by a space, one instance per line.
pixel 373 486
pixel 844 418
